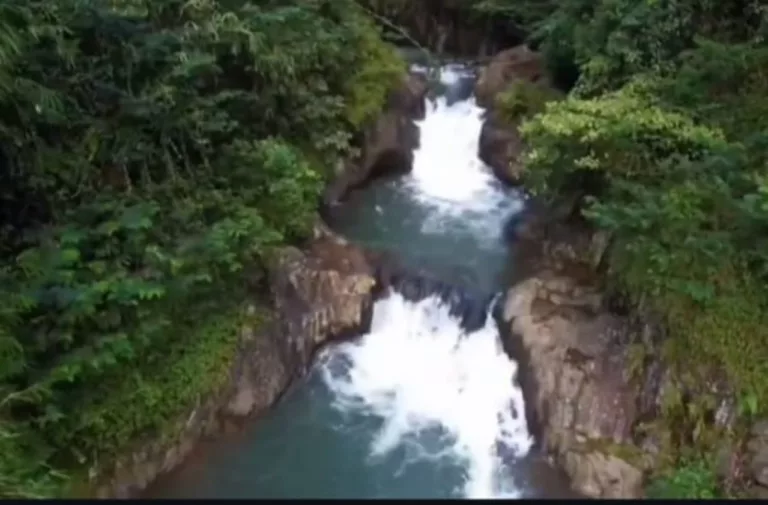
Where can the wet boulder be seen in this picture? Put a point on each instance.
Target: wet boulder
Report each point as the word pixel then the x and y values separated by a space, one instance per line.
pixel 321 293
pixel 387 144
pixel 516 63
pixel 410 98
pixel 575 375
pixel 501 148
pixel 757 458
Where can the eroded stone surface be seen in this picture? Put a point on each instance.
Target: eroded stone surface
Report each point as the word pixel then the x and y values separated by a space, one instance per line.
pixel 594 373
pixel 501 146
pixel 387 144
pixel 583 399
pixel 516 63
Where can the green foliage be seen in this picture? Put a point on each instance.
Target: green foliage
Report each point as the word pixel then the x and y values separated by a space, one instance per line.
pixel 152 154
pixel 690 480
pixel 527 14
pixel 523 100
pixel 422 24
pixel 612 41
pixel 677 180
pixel 664 140
pixel 23 469
pixel 171 379
pixel 613 141
pixel 379 70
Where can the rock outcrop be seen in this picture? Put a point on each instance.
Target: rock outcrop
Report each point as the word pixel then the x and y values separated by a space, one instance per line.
pixel 598 389
pixel 751 463
pixel 583 396
pixel 506 67
pixel 409 98
pixel 321 293
pixel 386 145
pixel 501 146
pixel 579 390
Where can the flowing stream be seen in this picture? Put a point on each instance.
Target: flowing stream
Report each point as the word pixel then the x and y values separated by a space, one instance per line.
pixel 426 404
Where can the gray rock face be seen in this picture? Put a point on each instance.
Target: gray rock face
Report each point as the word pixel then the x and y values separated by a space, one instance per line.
pixel 501 146
pixel 387 144
pixel 409 98
pixel 757 456
pixel 516 63
pixel 594 375
pixel 322 293
pixel 578 387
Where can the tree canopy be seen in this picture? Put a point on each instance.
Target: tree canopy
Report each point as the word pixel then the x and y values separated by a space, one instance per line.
pixel 151 153
pixel 664 135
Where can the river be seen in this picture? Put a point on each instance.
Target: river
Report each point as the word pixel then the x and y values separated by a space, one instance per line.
pixel 423 405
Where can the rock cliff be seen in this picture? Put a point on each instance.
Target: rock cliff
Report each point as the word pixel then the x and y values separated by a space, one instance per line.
pixel 318 294
pixel 501 145
pixel 603 398
pixel 387 144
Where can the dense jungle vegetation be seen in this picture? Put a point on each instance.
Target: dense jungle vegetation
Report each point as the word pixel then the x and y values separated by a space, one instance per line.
pixel 665 136
pixel 152 152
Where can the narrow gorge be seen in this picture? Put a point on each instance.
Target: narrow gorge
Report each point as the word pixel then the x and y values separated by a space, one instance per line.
pixel 383 249
pixel 492 361
pixel 426 403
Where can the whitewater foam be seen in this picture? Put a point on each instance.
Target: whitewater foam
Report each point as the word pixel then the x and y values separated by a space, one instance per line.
pixel 447 174
pixel 419 370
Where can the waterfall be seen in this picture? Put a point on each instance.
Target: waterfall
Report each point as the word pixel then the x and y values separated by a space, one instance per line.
pixel 422 372
pixel 426 404
pixel 432 367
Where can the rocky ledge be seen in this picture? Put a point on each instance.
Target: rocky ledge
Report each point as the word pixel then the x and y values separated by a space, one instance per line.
pixel 599 392
pixel 580 397
pixel 386 145
pixel 501 145
pixel 319 294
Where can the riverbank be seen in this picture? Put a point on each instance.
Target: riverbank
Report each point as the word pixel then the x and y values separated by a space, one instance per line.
pixel 148 213
pixel 369 420
pixel 648 159
pixel 142 207
pixel 317 296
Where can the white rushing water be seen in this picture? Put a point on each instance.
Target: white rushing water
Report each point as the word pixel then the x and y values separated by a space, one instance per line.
pixel 417 369
pixel 447 174
pixel 418 407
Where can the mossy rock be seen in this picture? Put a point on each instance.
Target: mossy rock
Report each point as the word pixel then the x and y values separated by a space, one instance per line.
pixel 625 452
pixel 159 396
